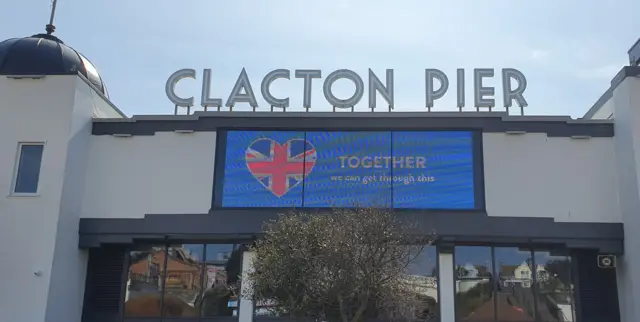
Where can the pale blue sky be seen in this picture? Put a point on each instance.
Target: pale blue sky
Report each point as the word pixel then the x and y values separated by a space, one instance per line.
pixel 569 49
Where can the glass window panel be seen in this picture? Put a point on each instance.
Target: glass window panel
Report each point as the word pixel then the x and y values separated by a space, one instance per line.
pixel 183 280
pixel 474 292
pixel 144 282
pixel 514 289
pixel 223 267
pixel 423 276
pixel 28 170
pixel 555 287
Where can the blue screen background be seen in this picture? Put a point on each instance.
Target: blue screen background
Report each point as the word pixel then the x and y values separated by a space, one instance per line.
pixel 446 181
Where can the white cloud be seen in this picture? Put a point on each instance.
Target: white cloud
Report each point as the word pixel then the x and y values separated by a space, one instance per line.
pixel 540 55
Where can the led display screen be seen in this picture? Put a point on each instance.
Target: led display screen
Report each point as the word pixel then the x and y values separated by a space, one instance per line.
pixel 317 169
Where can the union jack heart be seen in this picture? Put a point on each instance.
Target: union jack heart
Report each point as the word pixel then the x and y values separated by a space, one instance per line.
pixel 280 167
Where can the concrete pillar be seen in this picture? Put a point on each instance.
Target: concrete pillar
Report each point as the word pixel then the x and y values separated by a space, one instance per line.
pixel 446 287
pixel 245 313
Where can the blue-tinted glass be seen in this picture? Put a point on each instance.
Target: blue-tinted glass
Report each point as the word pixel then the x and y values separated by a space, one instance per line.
pixel 29 169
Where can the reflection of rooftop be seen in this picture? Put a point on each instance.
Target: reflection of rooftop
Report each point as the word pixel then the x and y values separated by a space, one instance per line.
pixel 422 285
pixel 422 281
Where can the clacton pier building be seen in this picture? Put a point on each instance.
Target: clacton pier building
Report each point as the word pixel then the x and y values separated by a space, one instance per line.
pixel 107 217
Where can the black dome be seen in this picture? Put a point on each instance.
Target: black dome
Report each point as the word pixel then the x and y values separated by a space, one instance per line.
pixel 45 54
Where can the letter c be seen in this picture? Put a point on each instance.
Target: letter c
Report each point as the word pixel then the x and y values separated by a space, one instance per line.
pixel 266 83
pixel 170 87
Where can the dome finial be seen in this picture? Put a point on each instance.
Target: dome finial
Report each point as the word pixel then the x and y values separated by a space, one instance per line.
pixel 50 28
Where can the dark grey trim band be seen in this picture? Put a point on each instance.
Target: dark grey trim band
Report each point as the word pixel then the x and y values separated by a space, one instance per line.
pixel 626 71
pixel 555 126
pixel 451 227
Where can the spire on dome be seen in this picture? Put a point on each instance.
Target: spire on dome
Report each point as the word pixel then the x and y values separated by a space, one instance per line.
pixel 50 28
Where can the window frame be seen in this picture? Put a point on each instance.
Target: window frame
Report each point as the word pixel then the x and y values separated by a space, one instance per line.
pixel 16 169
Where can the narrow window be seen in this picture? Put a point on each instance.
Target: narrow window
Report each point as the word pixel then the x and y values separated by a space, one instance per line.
pixel 28 168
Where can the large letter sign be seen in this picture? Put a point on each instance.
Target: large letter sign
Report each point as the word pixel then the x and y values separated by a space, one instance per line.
pixel 436 86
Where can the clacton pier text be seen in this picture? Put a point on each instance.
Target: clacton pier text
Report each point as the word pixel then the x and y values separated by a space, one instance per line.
pixel 436 85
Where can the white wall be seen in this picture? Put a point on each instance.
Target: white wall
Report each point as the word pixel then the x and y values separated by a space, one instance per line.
pixel 40 232
pixel 529 175
pixel 166 173
pixel 626 98
pixel 532 175
pixel 28 225
pixel 605 111
pixel 66 290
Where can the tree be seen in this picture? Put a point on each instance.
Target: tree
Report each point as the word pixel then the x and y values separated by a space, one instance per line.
pixel 559 275
pixel 349 265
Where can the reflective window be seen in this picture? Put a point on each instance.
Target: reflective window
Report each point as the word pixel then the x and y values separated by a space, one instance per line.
pixel 144 282
pixel 27 173
pixel 555 287
pixel 183 281
pixel 223 266
pixel 529 285
pixel 514 289
pixel 474 275
pixel 423 272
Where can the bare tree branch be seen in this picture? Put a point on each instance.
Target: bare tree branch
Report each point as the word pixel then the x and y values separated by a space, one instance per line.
pixel 347 265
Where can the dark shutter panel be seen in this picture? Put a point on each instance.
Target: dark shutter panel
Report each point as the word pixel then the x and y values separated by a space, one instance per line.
pixel 104 284
pixel 597 289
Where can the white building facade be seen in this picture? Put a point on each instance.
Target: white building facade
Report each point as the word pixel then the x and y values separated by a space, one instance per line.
pixel 99 206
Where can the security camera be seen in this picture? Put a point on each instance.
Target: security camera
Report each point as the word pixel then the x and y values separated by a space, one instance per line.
pixel 606 261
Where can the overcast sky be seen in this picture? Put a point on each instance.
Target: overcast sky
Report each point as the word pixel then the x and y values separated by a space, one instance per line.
pixel 569 50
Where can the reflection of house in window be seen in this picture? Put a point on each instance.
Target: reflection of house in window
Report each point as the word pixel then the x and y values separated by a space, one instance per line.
pixel 521 275
pixel 173 278
pixel 182 273
pixel 216 269
pixel 470 276
pixel 183 270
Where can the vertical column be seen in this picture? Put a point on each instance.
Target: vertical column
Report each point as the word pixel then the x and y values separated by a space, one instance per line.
pixel 446 285
pixel 626 102
pixel 245 313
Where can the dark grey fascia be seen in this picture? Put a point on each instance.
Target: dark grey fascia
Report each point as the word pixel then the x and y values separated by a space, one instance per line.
pixel 239 225
pixel 554 126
